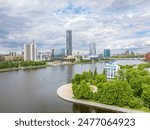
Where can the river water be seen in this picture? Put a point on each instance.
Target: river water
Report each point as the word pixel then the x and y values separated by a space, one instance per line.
pixel 34 90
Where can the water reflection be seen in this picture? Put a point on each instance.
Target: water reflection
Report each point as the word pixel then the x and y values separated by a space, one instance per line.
pixel 78 108
pixel 69 74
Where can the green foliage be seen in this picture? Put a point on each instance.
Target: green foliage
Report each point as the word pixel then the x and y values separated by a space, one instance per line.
pixel 86 61
pixel 129 56
pixel 11 64
pixel 77 79
pixel 82 91
pixel 126 66
pixel 121 75
pixel 32 63
pixel 146 95
pixel 5 65
pixel 88 76
pixel 100 78
pixel 146 79
pixel 130 87
pixel 135 103
pixel 136 85
pixel 143 66
pixel 115 92
pixel 95 72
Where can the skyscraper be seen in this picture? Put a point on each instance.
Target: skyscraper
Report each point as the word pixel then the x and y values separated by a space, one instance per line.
pixel 68 42
pixel 106 53
pixel 30 52
pixel 92 49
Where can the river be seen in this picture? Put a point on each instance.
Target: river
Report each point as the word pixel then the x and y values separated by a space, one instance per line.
pixel 34 90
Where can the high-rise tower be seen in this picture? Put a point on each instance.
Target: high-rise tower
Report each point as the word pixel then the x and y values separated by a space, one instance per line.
pixel 30 52
pixel 68 42
pixel 92 49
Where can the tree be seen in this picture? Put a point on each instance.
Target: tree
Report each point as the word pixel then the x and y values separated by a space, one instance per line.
pixel 121 75
pixel 95 72
pixel 136 85
pixel 77 78
pixel 146 79
pixel 82 91
pixel 131 87
pixel 136 103
pixel 100 78
pixel 146 95
pixel 87 76
pixel 116 92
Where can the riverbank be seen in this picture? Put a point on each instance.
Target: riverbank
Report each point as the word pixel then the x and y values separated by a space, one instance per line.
pixel 43 66
pixel 23 68
pixel 57 63
pixel 65 92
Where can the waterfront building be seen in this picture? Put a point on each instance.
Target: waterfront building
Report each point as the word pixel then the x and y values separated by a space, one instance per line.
pixel 147 56
pixel 30 52
pixel 92 49
pixel 106 53
pixel 58 53
pixel 111 69
pixel 44 56
pixel 68 42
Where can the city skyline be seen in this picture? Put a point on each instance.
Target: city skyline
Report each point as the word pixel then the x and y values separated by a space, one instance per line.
pixel 111 24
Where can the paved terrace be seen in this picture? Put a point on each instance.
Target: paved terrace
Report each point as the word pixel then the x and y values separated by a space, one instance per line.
pixel 65 92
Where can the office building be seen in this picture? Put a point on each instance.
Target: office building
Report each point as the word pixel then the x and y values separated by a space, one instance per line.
pixel 100 56
pixel 44 56
pixel 106 53
pixel 92 49
pixel 147 56
pixel 111 70
pixel 68 42
pixel 58 53
pixel 12 53
pixel 30 52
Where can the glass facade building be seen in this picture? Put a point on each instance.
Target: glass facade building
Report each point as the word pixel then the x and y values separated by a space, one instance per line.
pixel 68 42
pixel 106 53
pixel 58 53
pixel 92 49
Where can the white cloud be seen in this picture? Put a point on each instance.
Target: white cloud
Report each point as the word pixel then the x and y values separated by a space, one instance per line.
pixel 109 23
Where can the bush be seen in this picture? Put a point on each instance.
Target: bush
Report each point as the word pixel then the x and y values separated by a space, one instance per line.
pixel 146 95
pixel 136 103
pixel 82 91
pixel 115 92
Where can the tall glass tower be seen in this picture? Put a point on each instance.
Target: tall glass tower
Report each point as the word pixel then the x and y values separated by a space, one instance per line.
pixel 92 49
pixel 68 42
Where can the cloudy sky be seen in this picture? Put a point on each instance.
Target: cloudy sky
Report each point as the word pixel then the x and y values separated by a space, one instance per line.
pixel 114 24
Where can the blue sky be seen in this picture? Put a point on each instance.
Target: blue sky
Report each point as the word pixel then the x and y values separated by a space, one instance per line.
pixel 114 24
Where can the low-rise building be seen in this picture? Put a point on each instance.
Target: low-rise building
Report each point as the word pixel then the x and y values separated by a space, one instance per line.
pixel 147 56
pixel 58 53
pixel 111 69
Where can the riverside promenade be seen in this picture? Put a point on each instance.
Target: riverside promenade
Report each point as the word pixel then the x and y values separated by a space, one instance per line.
pixel 65 92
